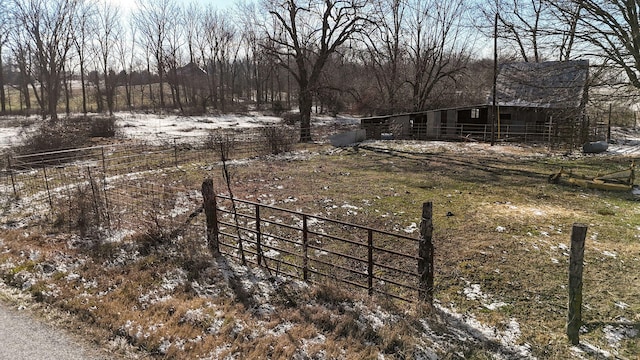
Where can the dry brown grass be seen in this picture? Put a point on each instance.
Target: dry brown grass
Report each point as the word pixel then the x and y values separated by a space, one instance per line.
pixel 508 233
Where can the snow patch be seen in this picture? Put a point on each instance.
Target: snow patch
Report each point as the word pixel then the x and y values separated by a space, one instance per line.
pixel 614 334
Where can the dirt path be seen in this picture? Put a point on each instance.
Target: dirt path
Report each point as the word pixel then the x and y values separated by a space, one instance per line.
pixel 22 336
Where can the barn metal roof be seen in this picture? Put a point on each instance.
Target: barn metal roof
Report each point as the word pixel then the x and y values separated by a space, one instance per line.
pixel 551 84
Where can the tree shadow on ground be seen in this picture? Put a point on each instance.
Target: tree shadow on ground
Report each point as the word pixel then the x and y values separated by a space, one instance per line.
pixel 482 169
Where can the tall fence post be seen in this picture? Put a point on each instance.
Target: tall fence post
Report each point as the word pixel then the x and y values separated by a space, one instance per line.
pixel 305 248
pixel 209 205
pixel 175 153
pixel 104 187
pixel 370 261
pixel 258 235
pixel 46 182
pixel 13 179
pixel 574 319
pixel 425 254
pixel 94 192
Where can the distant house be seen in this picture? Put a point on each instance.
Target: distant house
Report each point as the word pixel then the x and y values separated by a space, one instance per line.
pixel 535 101
pixel 192 75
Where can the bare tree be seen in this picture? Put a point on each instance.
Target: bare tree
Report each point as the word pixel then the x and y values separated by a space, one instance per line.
pixel 209 49
pixel 125 47
pixel 227 45
pixel 84 28
pixel 612 28
pixel 521 24
pixel 49 32
pixel 218 44
pixel 532 30
pixel 385 49
pixel 109 31
pixel 4 38
pixel 437 50
pixel 248 17
pixel 173 56
pixel 22 56
pixel 309 32
pixel 566 14
pixel 154 18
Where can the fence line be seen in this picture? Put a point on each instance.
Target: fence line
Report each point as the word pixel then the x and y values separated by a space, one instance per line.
pixel 126 189
pixel 552 135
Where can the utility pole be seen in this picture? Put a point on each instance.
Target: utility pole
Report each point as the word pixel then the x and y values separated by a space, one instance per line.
pixel 494 112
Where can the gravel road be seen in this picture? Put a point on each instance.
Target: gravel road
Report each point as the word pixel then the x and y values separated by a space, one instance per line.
pixel 22 336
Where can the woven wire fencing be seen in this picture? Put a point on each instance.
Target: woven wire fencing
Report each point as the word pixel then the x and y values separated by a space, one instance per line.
pixel 129 186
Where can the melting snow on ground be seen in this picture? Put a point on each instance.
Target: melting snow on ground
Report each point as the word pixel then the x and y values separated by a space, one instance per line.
pixel 169 126
pixel 473 292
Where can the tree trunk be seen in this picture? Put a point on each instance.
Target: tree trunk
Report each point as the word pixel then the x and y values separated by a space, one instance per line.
pixel 109 88
pixel 221 85
pixel 84 87
pixel 305 102
pixel 99 100
pixel 52 97
pixel 3 99
pixel 67 93
pixel 161 75
pixel 25 91
pixel 127 89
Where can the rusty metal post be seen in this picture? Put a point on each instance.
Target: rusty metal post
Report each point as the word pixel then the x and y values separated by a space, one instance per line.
pixel 104 187
pixel 370 261
pixel 46 182
pixel 258 235
pixel 305 248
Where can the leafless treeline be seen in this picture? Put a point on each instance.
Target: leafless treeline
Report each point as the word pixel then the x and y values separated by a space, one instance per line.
pixel 374 56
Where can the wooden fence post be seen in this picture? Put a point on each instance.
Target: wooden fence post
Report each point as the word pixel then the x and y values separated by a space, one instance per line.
pixel 574 320
pixel 13 179
pixel 175 153
pixel 209 205
pixel 425 254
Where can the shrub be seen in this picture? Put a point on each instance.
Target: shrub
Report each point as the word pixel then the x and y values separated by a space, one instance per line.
pixel 278 107
pixel 290 118
pixel 223 142
pixel 87 212
pixel 50 137
pixel 102 127
pixel 278 139
pixel 67 133
pixel 193 111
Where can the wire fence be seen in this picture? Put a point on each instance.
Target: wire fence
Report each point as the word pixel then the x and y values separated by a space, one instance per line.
pixel 555 136
pixel 133 183
pixel 110 192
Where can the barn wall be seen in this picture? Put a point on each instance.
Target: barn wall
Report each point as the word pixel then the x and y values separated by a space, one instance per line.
pixel 400 126
pixel 452 122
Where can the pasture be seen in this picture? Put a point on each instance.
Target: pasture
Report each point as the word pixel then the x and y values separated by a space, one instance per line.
pixel 501 235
